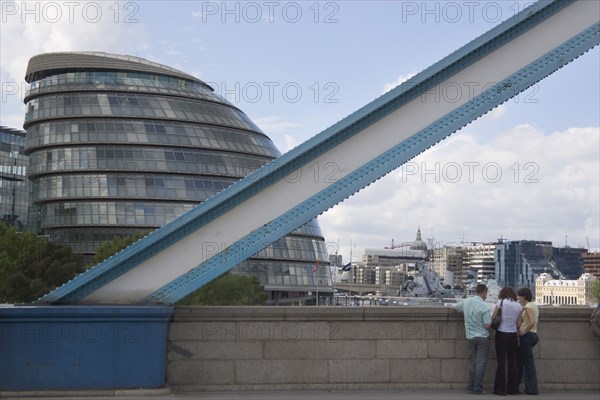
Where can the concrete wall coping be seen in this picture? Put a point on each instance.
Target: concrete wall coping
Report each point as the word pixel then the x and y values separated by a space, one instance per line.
pixel 388 313
pixel 76 313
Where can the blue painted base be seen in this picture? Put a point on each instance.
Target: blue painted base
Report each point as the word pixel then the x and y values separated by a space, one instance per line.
pixel 83 347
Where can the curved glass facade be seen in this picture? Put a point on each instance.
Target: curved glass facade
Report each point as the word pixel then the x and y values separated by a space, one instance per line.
pixel 115 149
pixel 14 192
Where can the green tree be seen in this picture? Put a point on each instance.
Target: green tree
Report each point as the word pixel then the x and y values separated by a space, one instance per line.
pixel 228 290
pixel 31 266
pixel 113 246
pixel 596 289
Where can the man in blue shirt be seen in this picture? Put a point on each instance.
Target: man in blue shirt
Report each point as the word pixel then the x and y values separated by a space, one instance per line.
pixel 477 322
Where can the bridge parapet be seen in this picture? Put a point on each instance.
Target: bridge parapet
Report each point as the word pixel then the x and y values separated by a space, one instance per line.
pixel 339 348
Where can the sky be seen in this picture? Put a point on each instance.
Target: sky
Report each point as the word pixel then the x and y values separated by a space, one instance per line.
pixel 527 170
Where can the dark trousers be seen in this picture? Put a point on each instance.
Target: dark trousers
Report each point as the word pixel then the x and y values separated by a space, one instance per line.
pixel 507 371
pixel 526 362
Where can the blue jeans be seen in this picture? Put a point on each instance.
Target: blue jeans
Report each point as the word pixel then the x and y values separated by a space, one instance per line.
pixel 526 362
pixel 479 349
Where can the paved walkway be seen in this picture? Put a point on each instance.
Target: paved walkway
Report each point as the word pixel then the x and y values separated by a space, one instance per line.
pixel 302 395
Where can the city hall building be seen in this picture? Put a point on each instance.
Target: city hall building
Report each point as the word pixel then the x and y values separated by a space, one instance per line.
pixel 119 144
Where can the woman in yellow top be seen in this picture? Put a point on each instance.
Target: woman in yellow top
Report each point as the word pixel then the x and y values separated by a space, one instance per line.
pixel 528 339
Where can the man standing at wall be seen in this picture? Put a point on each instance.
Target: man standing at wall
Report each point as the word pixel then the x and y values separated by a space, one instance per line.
pixel 477 322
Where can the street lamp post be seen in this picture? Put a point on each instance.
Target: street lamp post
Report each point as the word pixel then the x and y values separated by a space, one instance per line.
pixel 351 278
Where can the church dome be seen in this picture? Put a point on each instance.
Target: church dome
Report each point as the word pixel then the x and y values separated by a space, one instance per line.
pixel 418 244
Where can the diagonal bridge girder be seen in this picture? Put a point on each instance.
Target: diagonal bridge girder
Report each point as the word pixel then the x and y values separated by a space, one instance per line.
pixel 218 234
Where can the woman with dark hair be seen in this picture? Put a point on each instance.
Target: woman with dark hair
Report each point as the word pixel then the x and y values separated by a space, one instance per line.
pixel 507 370
pixel 529 338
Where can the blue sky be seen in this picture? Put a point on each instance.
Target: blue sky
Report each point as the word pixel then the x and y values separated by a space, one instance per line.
pixel 297 67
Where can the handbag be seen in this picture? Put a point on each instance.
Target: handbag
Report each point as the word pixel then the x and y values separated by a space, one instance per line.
pixel 498 318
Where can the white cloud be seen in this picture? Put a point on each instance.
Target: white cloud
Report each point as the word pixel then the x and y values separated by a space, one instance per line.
pixel 274 127
pixel 402 78
pixel 290 142
pixel 274 124
pixel 13 120
pixel 279 130
pixel 523 184
pixel 497 113
pixel 197 73
pixel 23 35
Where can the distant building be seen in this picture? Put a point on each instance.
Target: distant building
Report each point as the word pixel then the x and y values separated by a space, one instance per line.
pixel 448 262
pixel 519 263
pixel 389 276
pixel 466 265
pixel 591 263
pixel 365 275
pixel 390 265
pixel 383 266
pixel 336 260
pixel 479 260
pixel 569 261
pixel 14 189
pixel 406 253
pixel 393 257
pixel 394 276
pixel 564 291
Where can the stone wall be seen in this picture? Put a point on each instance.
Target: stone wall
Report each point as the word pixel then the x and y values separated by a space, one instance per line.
pixel 338 348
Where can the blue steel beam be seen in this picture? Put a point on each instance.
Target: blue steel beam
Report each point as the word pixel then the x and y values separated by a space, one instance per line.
pixel 373 171
pixel 170 234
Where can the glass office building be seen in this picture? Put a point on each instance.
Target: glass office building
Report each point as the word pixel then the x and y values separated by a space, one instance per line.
pixel 519 263
pixel 14 193
pixel 119 144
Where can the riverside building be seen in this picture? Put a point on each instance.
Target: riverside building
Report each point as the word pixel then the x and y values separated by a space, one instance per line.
pixel 119 144
pixel 564 291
